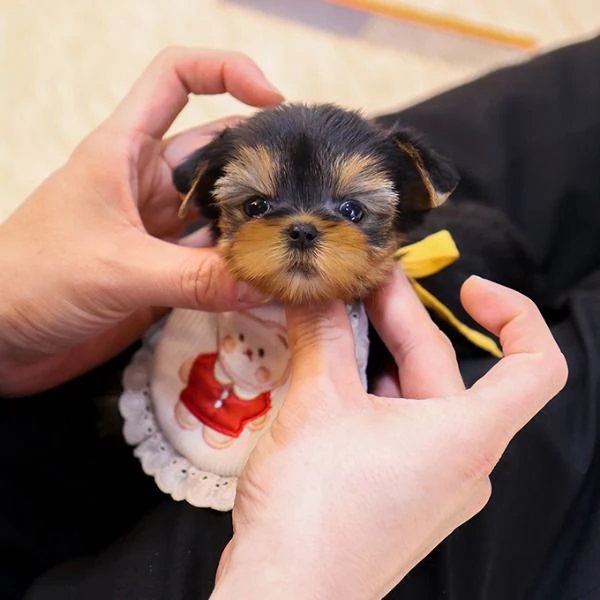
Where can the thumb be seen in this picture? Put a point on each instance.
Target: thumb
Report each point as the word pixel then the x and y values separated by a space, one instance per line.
pixel 322 349
pixel 159 273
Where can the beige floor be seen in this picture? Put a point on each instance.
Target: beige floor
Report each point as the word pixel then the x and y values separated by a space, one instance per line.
pixel 65 63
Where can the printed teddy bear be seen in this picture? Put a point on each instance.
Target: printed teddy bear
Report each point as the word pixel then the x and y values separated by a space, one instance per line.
pixel 230 389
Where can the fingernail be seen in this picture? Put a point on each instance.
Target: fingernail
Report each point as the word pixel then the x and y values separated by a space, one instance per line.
pixel 481 280
pixel 488 284
pixel 248 296
pixel 272 88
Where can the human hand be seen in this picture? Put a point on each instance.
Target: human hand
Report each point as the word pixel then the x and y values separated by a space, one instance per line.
pixel 87 256
pixel 348 491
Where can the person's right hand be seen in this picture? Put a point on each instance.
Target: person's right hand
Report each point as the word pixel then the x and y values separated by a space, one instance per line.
pixel 348 491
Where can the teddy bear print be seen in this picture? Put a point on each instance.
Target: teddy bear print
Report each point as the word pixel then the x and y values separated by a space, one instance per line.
pixel 230 390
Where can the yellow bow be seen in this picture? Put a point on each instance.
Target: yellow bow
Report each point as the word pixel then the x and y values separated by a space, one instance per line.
pixel 427 257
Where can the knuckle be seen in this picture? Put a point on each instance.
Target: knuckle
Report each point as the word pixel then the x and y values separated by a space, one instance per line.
pixel 170 57
pixel 523 305
pixel 313 330
pixel 168 54
pixel 403 349
pixel 237 55
pixel 551 369
pixel 478 463
pixel 445 344
pixel 308 339
pixel 435 341
pixel 481 495
pixel 200 283
pixel 475 455
pixel 527 304
pixel 560 370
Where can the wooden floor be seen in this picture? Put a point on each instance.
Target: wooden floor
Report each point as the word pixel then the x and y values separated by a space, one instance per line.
pixel 64 65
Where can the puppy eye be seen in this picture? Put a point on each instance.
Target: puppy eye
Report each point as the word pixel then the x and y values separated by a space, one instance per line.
pixel 261 352
pixel 256 207
pixel 351 210
pixel 241 337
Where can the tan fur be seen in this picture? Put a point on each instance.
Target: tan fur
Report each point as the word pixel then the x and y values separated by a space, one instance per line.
pixel 357 176
pixel 185 200
pixel 344 264
pixel 435 198
pixel 358 173
pixel 252 172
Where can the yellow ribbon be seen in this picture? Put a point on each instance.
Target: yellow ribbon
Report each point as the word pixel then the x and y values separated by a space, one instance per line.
pixel 427 257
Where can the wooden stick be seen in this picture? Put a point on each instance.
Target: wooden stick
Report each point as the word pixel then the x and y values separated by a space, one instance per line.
pixel 443 22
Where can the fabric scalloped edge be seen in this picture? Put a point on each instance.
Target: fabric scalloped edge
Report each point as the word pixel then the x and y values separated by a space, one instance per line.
pixel 174 474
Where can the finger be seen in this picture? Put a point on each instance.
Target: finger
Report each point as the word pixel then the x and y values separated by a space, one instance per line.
pixel 158 273
pixel 181 145
pixel 426 360
pixel 161 92
pixel 201 238
pixel 532 371
pixel 387 385
pixel 322 345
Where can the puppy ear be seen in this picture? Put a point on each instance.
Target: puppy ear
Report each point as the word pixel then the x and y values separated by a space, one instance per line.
pixel 424 178
pixel 196 176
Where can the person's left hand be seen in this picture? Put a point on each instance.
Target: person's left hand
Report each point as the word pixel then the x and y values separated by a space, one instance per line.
pixel 87 256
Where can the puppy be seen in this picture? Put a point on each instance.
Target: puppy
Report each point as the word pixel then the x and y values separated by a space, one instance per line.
pixel 310 203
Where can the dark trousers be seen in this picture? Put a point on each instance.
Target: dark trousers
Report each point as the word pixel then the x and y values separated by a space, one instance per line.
pixel 79 517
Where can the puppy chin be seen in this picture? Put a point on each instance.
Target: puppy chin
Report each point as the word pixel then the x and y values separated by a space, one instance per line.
pixel 298 286
pixel 283 281
pixel 305 286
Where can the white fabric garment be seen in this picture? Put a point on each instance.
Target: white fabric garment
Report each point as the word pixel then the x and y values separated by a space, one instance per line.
pixel 202 390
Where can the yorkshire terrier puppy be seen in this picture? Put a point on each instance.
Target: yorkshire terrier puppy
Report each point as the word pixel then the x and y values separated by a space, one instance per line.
pixel 310 203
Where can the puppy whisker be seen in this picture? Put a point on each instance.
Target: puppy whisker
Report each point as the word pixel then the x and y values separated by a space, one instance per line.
pixel 310 202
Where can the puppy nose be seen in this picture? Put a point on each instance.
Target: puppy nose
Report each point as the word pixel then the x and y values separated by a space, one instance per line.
pixel 303 235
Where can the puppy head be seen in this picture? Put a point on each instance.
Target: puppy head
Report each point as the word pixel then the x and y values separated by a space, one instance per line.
pixel 310 202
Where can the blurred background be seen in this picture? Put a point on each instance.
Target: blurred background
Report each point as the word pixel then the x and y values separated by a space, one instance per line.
pixel 64 64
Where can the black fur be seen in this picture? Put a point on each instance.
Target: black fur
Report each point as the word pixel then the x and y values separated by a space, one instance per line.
pixel 311 137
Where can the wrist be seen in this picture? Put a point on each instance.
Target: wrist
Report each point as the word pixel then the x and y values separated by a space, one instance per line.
pixel 256 570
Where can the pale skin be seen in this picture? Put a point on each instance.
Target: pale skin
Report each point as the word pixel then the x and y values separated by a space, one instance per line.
pixel 90 247
pixel 347 491
pixel 383 480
